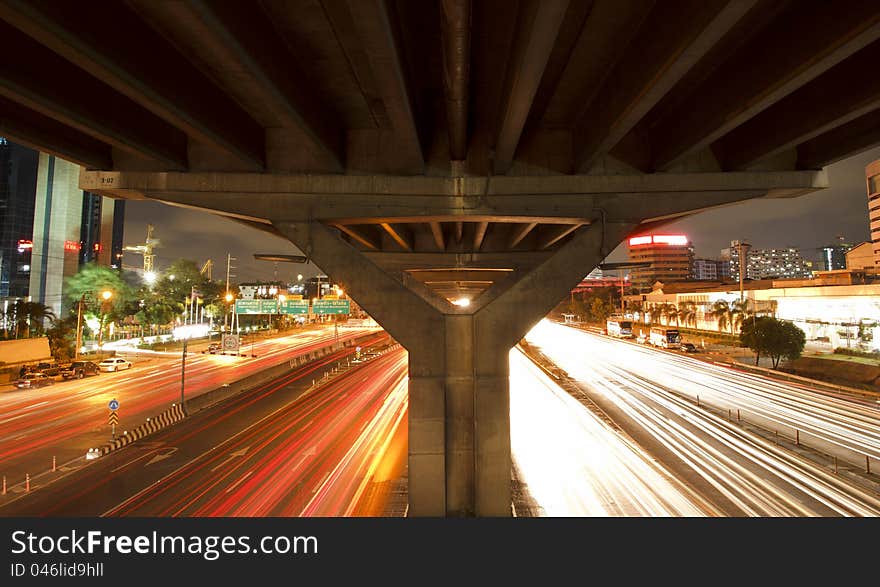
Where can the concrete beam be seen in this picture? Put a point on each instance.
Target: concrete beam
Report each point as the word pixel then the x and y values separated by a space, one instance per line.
pixel 539 23
pixel 283 87
pixel 557 234
pixel 455 35
pixel 668 47
pixel 480 234
pixel 136 61
pixel 520 233
pixel 94 108
pixel 841 142
pixel 437 233
pixel 377 292
pixel 552 280
pixel 27 127
pixel 367 240
pixel 421 190
pixel 396 262
pixel 802 44
pixel 366 30
pixel 806 113
pixel 399 234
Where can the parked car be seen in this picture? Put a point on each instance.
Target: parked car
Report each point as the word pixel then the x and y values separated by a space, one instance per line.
pixel 50 369
pixel 114 364
pixel 688 347
pixel 34 380
pixel 642 338
pixel 79 369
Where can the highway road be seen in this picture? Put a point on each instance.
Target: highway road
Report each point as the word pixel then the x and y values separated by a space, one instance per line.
pixel 649 395
pixel 282 449
pixel 574 464
pixel 65 419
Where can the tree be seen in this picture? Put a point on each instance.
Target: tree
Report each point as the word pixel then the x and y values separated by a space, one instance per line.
pixel 722 312
pixel 600 309
pixel 62 338
pixel 775 338
pixel 30 316
pixel 687 313
pixel 89 284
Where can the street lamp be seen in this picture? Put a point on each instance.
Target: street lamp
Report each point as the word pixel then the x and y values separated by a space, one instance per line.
pixel 106 294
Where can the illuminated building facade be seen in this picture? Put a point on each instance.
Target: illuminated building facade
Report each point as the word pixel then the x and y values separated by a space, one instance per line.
pixel 670 258
pixel 872 180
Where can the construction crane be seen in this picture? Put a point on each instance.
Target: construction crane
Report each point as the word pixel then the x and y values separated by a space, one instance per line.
pixel 207 269
pixel 145 249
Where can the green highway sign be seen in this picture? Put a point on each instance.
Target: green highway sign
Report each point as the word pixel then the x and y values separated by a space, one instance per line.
pixel 331 307
pixel 294 307
pixel 251 306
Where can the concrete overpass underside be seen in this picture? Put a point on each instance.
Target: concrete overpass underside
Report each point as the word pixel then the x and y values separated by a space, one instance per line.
pixel 425 152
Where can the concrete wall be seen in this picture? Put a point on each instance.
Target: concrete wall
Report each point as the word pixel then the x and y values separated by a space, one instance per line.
pixel 24 350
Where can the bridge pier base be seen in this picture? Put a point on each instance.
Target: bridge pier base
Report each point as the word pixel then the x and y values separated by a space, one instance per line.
pixel 459 403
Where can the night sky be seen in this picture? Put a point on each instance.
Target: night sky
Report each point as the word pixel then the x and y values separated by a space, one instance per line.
pixel 808 222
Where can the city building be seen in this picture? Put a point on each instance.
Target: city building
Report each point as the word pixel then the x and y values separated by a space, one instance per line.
pixel 872 180
pixel 670 258
pixel 710 270
pixel 834 309
pixel 766 263
pixel 70 228
pixel 18 184
pixel 833 257
pixel 861 257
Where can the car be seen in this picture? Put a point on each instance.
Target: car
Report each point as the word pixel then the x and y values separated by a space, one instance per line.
pixel 114 364
pixel 49 369
pixel 214 348
pixel 79 369
pixel 688 347
pixel 642 338
pixel 34 380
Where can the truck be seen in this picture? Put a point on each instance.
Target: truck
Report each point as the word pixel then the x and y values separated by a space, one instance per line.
pixel 619 327
pixel 663 337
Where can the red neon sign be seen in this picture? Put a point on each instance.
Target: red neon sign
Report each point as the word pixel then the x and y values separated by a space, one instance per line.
pixel 24 245
pixel 659 239
pixel 71 246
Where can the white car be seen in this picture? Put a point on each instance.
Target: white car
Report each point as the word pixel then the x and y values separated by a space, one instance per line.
pixel 114 364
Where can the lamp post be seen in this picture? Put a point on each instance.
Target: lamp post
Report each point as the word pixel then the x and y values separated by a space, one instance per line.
pixel 79 320
pixel 106 295
pixel 229 299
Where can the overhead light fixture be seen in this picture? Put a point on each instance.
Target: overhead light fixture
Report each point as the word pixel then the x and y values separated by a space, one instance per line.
pixel 463 302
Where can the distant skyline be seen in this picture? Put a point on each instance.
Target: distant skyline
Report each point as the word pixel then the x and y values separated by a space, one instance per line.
pixel 807 223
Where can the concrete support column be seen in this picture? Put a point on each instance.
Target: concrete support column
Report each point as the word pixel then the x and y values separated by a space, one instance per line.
pixel 459 402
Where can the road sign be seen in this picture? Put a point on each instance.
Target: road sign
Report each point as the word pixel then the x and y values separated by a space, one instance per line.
pixel 114 405
pixel 294 306
pixel 231 342
pixel 324 306
pixel 114 418
pixel 249 306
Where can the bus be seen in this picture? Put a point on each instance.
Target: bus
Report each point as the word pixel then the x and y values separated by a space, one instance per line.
pixel 665 337
pixel 619 327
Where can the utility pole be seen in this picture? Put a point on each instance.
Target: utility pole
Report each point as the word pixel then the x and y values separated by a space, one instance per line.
pixel 742 248
pixel 79 320
pixel 183 373
pixel 229 259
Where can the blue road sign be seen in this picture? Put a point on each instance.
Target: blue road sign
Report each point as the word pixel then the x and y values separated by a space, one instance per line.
pixel 114 405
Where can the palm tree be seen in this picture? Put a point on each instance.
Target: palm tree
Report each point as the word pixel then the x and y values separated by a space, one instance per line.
pixel 687 313
pixel 31 315
pixel 723 313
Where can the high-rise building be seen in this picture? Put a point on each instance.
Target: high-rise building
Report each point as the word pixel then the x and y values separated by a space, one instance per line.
pixel 18 180
pixel 710 270
pixel 670 258
pixel 872 179
pixel 767 263
pixel 70 228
